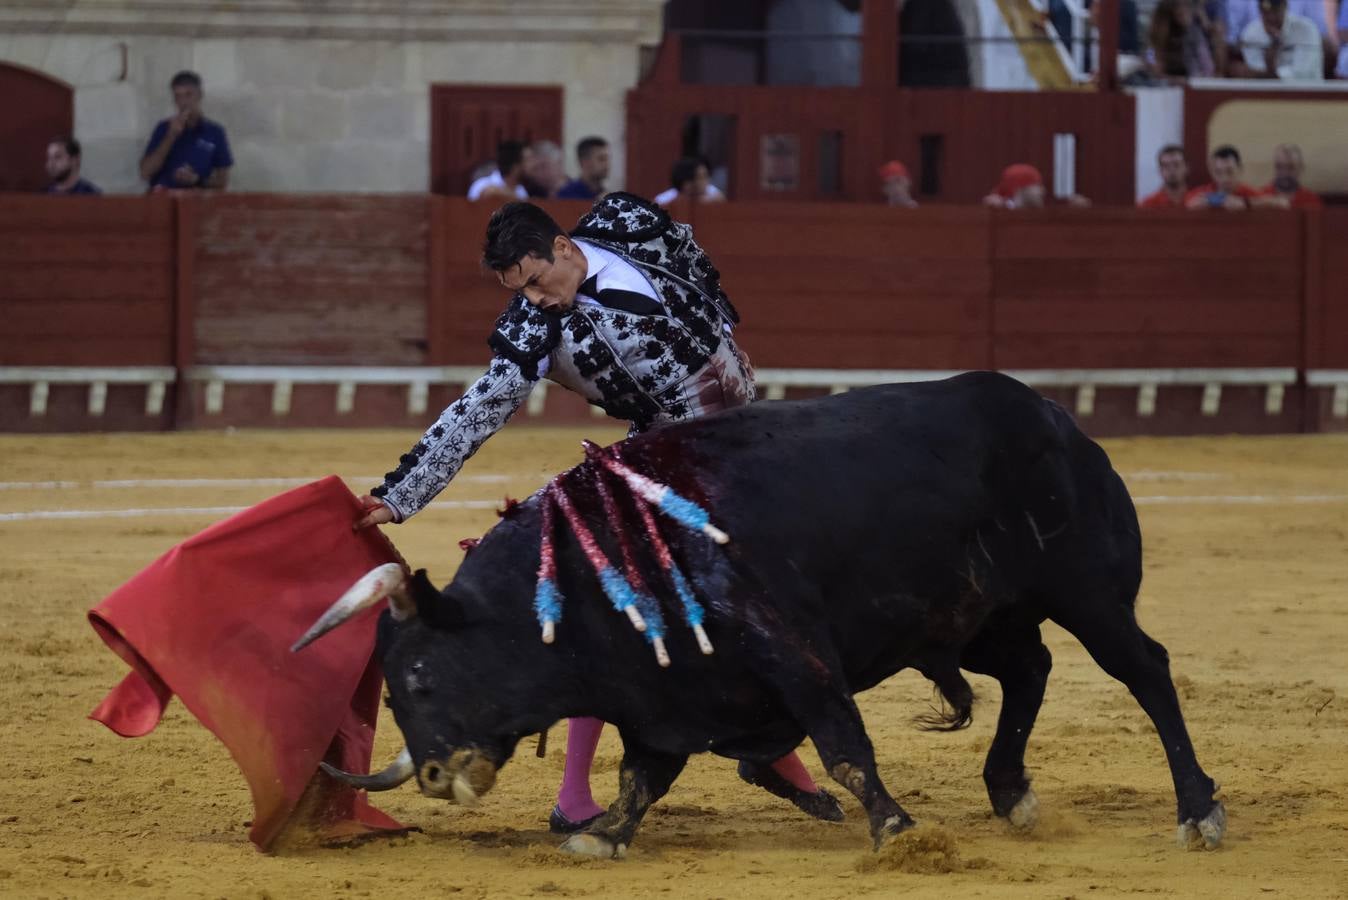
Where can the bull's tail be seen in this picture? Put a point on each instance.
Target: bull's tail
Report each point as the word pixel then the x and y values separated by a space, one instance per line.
pixel 956 709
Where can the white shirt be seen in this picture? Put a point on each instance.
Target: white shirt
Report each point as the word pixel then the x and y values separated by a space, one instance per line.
pixel 1301 56
pixel 664 198
pixel 1240 13
pixel 493 180
pixel 610 271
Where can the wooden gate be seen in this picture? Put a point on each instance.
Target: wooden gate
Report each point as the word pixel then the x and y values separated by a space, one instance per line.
pixel 469 120
pixel 37 108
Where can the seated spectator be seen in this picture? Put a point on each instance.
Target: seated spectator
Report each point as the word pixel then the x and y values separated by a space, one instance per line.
pixel 544 173
pixel 63 168
pixel 593 158
pixel 896 185
pixel 1174 180
pixel 1022 187
pixel 505 181
pixel 187 150
pixel 1286 191
pixel 1225 191
pixel 1280 44
pixel 1185 43
pixel 690 177
pixel 1341 70
pixel 1240 13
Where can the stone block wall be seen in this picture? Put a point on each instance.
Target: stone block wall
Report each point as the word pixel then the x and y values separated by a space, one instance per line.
pixel 316 100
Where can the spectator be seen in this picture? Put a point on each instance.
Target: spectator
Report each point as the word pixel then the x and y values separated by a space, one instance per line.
pixel 1240 13
pixel 690 177
pixel 505 181
pixel 1341 70
pixel 1280 44
pixel 593 157
pixel 896 185
pixel 544 174
pixel 1174 180
pixel 1286 191
pixel 1021 187
pixel 63 168
pixel 1225 191
pixel 187 150
pixel 1185 43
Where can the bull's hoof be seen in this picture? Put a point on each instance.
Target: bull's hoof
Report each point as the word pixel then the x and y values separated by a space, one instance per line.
pixel 892 828
pixel 595 845
pixel 1205 834
pixel 1025 814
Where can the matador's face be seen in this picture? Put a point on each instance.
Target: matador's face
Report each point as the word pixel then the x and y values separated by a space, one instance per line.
pixel 548 284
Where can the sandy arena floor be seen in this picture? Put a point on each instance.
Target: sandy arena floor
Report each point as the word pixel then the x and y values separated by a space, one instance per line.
pixel 1248 588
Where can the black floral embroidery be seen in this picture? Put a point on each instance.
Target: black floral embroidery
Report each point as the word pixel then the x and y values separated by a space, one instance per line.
pixel 525 335
pixel 643 368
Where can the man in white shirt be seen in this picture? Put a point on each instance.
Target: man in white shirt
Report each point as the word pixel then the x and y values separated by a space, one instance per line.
pixel 690 178
pixel 505 183
pixel 1240 13
pixel 1281 44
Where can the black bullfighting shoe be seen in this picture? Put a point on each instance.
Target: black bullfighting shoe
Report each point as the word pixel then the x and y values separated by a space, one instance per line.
pixel 821 804
pixel 558 823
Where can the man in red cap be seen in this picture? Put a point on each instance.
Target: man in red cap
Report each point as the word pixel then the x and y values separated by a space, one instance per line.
pixel 896 185
pixel 1021 187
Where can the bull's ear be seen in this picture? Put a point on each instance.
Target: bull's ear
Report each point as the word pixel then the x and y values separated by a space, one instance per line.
pixel 440 609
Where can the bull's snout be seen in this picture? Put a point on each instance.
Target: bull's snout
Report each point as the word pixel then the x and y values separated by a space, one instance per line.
pixel 462 777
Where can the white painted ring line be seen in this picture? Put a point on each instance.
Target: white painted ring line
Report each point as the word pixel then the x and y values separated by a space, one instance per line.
pixel 475 478
pixel 167 511
pixel 222 482
pixel 1156 500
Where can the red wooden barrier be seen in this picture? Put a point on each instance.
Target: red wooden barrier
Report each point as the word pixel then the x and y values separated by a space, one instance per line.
pixel 395 281
pixel 978 132
pixel 1130 289
pixel 854 286
pixel 324 279
pixel 86 281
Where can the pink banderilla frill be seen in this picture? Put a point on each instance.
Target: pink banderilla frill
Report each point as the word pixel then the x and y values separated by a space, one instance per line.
pixel 627 591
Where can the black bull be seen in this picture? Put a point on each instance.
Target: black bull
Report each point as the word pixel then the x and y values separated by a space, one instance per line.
pixel 932 526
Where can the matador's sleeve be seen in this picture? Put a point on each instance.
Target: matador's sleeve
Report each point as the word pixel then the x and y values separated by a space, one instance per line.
pixel 424 470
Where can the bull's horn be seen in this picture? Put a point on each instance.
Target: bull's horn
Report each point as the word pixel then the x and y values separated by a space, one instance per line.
pixel 388 580
pixel 399 771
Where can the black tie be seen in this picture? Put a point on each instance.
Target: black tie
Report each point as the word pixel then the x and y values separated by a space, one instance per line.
pixel 627 301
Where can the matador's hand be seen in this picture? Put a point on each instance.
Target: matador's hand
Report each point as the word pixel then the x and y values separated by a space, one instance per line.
pixel 376 513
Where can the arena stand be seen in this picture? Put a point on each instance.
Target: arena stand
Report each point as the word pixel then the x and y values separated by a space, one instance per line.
pixel 358 310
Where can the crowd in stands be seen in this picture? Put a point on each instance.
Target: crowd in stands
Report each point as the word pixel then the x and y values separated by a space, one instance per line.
pixel 1290 40
pixel 188 151
pixel 1226 190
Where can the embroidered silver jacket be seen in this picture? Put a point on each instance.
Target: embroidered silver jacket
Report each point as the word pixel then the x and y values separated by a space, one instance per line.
pixel 646 369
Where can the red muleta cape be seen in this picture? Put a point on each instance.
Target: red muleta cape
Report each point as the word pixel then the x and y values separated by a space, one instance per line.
pixel 212 621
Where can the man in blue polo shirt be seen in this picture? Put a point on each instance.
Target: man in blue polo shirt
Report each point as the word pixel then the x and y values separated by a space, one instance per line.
pixel 187 150
pixel 592 154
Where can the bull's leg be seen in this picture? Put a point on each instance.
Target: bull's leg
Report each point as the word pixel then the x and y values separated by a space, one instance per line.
pixel 645 777
pixel 839 735
pixel 1120 646
pixel 1015 655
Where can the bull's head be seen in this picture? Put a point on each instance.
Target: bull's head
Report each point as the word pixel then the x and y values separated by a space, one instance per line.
pixel 457 738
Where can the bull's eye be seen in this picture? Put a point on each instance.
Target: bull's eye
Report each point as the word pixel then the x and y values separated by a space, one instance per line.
pixel 418 680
